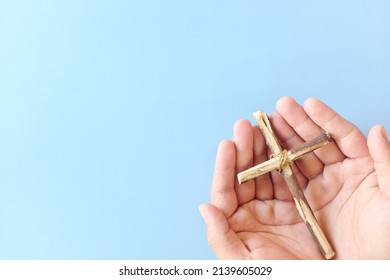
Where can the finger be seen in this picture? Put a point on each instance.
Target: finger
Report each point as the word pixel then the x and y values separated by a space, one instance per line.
pixel 243 139
pixel 263 184
pixel 222 240
pixel 223 194
pixel 310 166
pixel 296 116
pixel 379 147
pixel 348 137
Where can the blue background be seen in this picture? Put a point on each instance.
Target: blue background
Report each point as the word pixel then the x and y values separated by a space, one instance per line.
pixel 111 111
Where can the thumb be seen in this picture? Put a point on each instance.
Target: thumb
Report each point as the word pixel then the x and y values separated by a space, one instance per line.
pixel 379 147
pixel 224 242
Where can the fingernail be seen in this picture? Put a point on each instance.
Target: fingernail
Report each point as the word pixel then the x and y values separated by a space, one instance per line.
pixel 204 213
pixel 384 134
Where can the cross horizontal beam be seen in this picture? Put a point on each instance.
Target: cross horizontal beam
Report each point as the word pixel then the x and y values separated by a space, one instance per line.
pixel 277 162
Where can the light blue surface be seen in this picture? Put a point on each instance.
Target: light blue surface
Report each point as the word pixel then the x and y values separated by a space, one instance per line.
pixel 111 111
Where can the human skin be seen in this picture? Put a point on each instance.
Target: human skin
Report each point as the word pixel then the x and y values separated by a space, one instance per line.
pixel 346 182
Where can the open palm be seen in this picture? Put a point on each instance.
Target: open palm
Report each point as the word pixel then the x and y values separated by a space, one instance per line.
pixel 347 184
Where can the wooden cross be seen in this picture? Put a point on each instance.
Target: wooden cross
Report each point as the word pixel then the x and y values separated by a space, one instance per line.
pixel 281 161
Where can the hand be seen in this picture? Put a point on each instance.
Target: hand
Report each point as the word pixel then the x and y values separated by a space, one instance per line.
pixel 347 184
